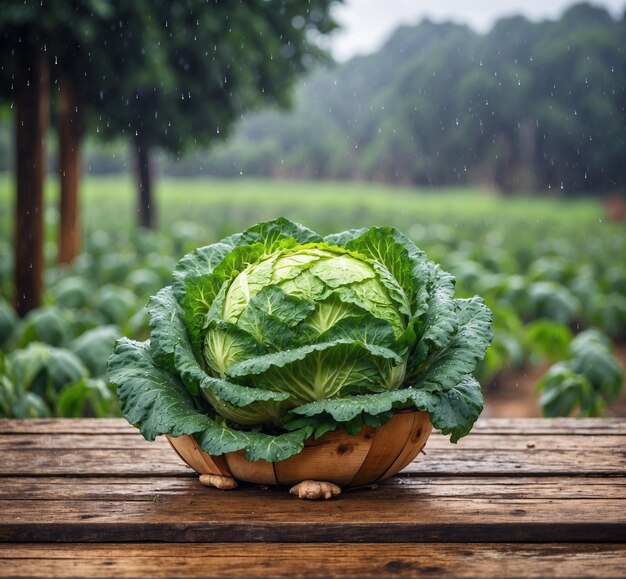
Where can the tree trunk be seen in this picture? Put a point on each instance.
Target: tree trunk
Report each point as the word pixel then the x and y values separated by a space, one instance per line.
pixel 145 202
pixel 527 151
pixel 32 92
pixel 69 171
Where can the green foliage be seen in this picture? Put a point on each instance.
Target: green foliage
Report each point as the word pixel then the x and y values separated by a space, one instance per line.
pixel 586 382
pixel 47 324
pixel 94 347
pixel 498 248
pixel 275 324
pixel 90 397
pixel 116 304
pixel 41 381
pixel 527 105
pixel 168 74
pixel 548 339
pixel 72 292
pixel 8 322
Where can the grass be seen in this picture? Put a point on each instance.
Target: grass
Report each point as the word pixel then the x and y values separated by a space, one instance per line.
pixel 223 206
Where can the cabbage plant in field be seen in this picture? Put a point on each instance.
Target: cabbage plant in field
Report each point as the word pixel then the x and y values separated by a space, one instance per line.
pixel 277 334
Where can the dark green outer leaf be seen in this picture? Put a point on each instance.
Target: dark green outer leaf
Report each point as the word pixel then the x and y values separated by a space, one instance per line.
pixel 166 327
pixel 271 233
pixel 446 367
pixel 430 278
pixel 453 412
pixel 151 398
pixel 157 403
pixel 217 441
pixel 393 250
pixel 344 237
pixel 200 262
pixel 439 325
pixel 456 410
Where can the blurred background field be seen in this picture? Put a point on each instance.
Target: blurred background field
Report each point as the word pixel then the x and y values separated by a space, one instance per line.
pixel 495 140
pixel 228 204
pixel 548 268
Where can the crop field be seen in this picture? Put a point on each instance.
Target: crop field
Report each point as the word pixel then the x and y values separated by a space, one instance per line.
pixel 553 272
pixel 219 206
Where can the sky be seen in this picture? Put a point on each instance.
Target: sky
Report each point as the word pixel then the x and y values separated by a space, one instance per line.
pixel 368 23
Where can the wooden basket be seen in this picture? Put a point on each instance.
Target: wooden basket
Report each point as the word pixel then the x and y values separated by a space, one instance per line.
pixel 338 457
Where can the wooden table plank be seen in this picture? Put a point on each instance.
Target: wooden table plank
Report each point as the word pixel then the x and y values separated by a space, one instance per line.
pixel 418 488
pixel 66 426
pixel 497 441
pixel 318 560
pixel 250 515
pixel 529 426
pixel 526 426
pixel 511 481
pixel 497 454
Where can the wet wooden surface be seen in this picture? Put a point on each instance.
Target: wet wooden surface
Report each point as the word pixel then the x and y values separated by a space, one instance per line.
pixel 91 498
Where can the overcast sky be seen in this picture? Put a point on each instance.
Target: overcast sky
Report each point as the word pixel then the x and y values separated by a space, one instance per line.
pixel 367 23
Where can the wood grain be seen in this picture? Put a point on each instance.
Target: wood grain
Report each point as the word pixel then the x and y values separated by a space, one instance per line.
pixel 420 431
pixel 418 488
pixel 242 515
pixel 260 471
pixel 189 451
pixel 497 454
pixel 488 426
pixel 86 481
pixel 334 457
pixel 317 560
pixel 496 441
pixel 386 446
pixel 66 426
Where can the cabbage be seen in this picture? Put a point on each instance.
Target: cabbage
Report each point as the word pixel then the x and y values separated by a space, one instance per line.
pixel 277 334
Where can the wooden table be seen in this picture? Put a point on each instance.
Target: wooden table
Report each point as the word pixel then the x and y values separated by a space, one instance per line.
pixel 91 498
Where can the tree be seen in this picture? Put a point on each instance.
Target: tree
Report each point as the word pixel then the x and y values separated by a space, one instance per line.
pixel 34 37
pixel 529 105
pixel 214 62
pixel 167 74
pixel 25 63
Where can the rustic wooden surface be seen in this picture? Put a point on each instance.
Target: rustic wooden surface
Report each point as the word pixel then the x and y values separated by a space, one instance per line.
pixel 532 498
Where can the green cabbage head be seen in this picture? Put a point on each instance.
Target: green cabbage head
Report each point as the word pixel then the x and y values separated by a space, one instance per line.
pixel 276 334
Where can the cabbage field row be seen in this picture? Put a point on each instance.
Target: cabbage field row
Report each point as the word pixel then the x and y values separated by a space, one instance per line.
pixel 553 272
